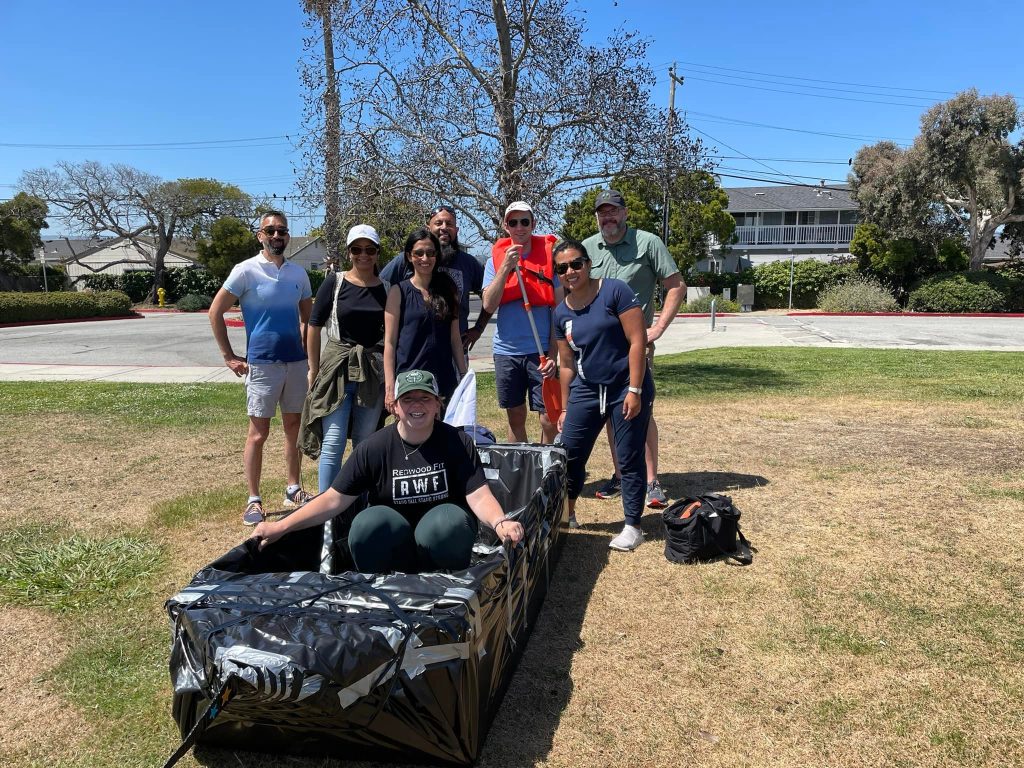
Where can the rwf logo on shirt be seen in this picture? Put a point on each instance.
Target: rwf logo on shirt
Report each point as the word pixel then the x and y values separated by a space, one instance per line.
pixel 416 486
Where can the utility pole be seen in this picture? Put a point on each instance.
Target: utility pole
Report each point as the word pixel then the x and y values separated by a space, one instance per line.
pixel 672 80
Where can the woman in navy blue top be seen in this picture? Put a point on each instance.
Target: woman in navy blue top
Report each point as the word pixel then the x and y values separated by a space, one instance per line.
pixel 421 321
pixel 602 344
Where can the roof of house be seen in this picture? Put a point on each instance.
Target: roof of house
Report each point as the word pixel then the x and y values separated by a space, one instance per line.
pixel 790 198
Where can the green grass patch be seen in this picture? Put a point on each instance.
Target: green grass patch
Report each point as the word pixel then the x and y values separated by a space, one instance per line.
pixel 150 405
pixel 53 568
pixel 833 639
pixel 899 374
pixel 119 673
pixel 184 510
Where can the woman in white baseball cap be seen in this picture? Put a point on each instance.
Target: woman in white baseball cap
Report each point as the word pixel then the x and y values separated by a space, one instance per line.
pixel 346 382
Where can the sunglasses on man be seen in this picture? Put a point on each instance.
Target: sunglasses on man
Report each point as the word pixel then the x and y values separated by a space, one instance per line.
pixel 577 264
pixel 271 231
pixel 517 222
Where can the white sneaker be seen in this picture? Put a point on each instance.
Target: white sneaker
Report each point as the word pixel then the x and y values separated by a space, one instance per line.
pixel 630 538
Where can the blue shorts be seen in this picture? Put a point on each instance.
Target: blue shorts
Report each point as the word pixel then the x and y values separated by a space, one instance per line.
pixel 515 376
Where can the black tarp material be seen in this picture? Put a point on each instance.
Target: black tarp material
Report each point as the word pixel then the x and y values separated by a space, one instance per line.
pixel 405 667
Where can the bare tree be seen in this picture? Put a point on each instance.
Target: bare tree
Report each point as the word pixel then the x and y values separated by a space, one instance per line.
pixel 95 200
pixel 327 113
pixel 480 102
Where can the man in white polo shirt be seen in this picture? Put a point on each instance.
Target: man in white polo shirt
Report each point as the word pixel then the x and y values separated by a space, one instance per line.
pixel 276 300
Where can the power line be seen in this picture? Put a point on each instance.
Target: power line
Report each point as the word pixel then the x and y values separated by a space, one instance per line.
pixel 791 176
pixel 803 93
pixel 773 170
pixel 850 136
pixel 169 144
pixel 817 80
pixel 784 160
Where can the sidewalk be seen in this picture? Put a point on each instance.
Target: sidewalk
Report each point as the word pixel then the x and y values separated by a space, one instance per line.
pixel 685 334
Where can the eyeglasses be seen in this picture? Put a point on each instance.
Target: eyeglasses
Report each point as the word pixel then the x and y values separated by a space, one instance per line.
pixel 271 231
pixel 518 222
pixel 359 250
pixel 440 208
pixel 430 253
pixel 563 266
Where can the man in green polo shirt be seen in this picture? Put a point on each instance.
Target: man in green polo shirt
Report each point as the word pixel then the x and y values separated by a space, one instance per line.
pixel 641 260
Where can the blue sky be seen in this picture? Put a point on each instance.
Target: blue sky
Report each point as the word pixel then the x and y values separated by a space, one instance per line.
pixel 78 78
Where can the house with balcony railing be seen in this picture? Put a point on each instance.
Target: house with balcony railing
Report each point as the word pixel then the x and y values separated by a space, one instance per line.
pixel 783 223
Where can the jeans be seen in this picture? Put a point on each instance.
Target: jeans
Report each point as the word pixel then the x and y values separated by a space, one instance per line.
pixel 335 426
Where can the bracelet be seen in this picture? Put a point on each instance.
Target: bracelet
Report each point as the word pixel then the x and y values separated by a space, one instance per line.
pixel 504 519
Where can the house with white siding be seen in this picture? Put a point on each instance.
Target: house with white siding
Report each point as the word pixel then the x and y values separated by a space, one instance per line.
pixel 785 222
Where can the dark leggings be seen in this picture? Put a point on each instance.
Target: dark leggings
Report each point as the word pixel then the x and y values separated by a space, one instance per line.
pixel 584 422
pixel 384 541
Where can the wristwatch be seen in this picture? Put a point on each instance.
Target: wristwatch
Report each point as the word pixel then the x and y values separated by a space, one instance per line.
pixel 635 390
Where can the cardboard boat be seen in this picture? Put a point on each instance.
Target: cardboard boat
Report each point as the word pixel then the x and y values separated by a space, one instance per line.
pixel 284 650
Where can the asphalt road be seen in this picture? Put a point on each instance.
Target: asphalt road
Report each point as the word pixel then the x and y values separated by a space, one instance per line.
pixel 180 347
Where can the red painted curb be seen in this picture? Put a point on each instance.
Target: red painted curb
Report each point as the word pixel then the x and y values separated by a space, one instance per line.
pixel 904 314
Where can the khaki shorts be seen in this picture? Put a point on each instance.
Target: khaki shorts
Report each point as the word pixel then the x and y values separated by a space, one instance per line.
pixel 270 384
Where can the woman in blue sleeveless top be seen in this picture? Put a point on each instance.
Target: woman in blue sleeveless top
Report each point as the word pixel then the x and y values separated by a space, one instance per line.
pixel 421 321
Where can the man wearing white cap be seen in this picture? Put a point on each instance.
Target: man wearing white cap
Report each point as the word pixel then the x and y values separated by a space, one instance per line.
pixel 276 299
pixel 518 372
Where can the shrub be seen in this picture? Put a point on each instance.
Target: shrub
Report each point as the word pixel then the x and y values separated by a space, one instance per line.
pixel 959 292
pixel 703 304
pixel 136 283
pixel 316 279
pixel 182 281
pixel 24 307
pixel 810 277
pixel 112 303
pixel 193 302
pixel 858 293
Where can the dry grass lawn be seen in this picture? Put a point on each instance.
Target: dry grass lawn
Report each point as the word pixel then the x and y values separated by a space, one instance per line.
pixel 879 625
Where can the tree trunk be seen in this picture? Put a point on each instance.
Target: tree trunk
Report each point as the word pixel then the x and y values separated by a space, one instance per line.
pixel 332 145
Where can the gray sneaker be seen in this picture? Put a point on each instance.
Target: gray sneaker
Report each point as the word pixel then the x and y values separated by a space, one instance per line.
pixel 253 514
pixel 610 490
pixel 297 499
pixel 573 522
pixel 656 498
pixel 630 538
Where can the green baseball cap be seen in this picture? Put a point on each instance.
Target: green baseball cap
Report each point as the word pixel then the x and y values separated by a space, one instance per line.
pixel 413 380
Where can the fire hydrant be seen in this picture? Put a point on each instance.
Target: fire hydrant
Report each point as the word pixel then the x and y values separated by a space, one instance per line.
pixel 161 295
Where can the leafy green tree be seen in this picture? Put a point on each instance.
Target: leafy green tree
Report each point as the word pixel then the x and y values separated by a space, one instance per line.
pixel 903 261
pixel 21 220
pixel 962 175
pixel 96 199
pixel 698 209
pixel 230 241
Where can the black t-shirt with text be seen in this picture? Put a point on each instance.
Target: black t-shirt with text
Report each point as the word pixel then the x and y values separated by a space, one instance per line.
pixel 412 479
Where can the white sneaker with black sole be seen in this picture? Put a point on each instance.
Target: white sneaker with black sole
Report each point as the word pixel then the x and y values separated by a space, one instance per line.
pixel 630 538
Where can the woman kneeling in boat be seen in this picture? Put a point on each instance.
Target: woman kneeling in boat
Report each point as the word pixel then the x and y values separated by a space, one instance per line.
pixel 420 475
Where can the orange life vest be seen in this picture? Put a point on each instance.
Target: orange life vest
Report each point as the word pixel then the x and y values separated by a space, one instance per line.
pixel 538 271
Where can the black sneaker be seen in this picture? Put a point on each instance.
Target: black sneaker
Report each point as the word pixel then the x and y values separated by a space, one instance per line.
pixel 611 489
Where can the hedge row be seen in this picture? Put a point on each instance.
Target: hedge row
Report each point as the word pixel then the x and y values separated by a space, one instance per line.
pixel 23 307
pixel 178 282
pixel 981 291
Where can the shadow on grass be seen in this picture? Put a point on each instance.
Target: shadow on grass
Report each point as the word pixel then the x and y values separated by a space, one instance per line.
pixel 677 485
pixel 694 378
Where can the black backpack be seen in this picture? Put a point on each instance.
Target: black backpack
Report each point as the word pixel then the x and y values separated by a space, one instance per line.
pixel 704 528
